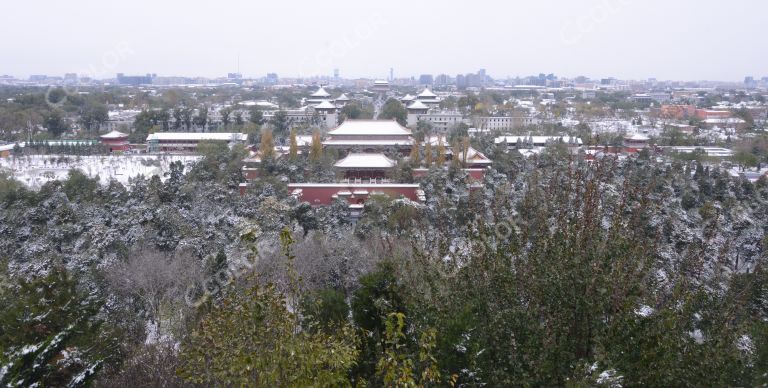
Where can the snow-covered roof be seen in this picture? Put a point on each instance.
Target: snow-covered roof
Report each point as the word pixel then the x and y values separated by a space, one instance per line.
pixel 364 142
pixel 435 140
pixel 417 105
pixel 370 128
pixel 354 185
pixel 320 93
pixel 114 135
pixel 729 120
pixel 427 93
pixel 365 160
pixel 636 137
pixel 197 136
pixel 474 157
pixel 710 151
pixel 263 104
pixel 537 139
pixel 407 97
pixel 529 151
pixel 342 97
pixel 9 147
pixel 303 140
pixel 325 104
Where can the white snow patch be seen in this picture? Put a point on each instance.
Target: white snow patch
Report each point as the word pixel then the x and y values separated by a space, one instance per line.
pixel 153 334
pixel 745 344
pixel 609 377
pixel 697 336
pixel 644 311
pixel 36 170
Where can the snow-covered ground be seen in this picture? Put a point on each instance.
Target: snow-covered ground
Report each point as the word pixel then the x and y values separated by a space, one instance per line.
pixel 36 170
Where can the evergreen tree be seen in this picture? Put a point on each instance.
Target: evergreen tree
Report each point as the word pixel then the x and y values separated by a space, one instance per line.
pixel 51 333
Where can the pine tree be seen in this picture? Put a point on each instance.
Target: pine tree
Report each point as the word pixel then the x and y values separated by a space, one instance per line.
pixel 50 334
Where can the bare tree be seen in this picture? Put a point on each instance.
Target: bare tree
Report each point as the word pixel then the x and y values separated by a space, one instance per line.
pixel 322 261
pixel 158 282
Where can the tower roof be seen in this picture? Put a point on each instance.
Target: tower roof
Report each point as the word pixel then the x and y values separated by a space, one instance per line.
pixel 114 135
pixel 325 104
pixel 417 105
pixel 320 93
pixel 426 93
pixel 365 160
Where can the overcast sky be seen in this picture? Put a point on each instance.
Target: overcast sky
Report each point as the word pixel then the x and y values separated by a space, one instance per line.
pixel 628 39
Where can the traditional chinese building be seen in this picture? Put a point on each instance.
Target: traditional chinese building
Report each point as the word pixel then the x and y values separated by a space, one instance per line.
pixel 527 145
pixel 473 159
pixel 415 109
pixel 319 96
pixel 116 141
pixel 328 114
pixel 370 136
pixel 365 166
pixel 428 98
pixel 635 142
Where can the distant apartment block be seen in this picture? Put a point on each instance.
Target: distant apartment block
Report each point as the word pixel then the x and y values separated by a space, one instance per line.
pixel 135 80
pixel 504 123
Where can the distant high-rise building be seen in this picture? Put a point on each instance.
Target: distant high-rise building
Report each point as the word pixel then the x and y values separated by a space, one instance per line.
pixel 135 80
pixel 70 78
pixel 234 76
pixel 750 82
pixel 391 74
pixel 426 79
pixel 38 77
pixel 336 73
pixel 442 80
pixel 461 81
pixel 472 80
pixel 271 78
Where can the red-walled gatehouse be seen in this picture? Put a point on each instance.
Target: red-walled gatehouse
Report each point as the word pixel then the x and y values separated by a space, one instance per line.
pixel 116 141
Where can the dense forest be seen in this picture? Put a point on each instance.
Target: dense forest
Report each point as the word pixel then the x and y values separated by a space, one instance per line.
pixel 552 271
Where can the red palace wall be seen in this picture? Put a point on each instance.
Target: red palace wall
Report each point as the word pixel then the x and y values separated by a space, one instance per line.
pixel 117 145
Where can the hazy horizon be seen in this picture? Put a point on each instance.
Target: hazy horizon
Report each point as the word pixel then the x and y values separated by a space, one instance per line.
pixel 627 39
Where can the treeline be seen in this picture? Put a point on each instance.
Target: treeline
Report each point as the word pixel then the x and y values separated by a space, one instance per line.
pixel 48 113
pixel 551 272
pixel 45 147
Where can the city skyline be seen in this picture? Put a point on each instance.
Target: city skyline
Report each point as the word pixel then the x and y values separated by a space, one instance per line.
pixel 686 41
